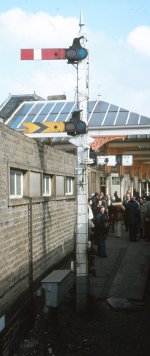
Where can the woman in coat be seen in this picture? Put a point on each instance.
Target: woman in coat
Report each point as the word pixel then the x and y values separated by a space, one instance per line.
pixel 118 216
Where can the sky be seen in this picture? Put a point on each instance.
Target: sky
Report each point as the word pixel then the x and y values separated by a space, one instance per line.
pixel 118 42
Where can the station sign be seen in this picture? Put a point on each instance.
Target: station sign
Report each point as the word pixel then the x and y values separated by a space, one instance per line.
pixel 107 160
pixel 127 160
pixel 124 160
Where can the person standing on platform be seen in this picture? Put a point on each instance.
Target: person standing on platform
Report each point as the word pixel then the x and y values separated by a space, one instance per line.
pixel 147 218
pixel 118 216
pixel 133 218
pixel 101 231
pixel 142 219
pixel 95 200
pixel 90 219
pixel 126 199
pixel 109 210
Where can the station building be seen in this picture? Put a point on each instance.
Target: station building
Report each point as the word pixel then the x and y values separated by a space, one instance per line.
pixel 116 132
pixel 37 188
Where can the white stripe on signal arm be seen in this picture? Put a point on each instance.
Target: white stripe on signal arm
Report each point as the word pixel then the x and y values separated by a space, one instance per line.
pixel 37 53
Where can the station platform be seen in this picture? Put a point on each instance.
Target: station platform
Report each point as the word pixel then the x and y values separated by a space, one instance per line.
pixel 121 277
pixel 116 320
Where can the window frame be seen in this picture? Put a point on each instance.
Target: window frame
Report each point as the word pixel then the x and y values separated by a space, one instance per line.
pixel 45 176
pixel 115 180
pixel 69 191
pixel 19 173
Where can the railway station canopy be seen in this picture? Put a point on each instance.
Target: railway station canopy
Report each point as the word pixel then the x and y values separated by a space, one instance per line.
pixel 122 131
pixel 103 118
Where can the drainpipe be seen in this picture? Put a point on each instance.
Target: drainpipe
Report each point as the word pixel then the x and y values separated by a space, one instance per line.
pixel 30 251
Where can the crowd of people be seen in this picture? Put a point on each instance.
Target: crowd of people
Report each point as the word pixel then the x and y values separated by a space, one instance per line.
pixel 111 214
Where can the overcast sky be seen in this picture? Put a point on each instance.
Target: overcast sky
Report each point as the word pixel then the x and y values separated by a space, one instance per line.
pixel 118 33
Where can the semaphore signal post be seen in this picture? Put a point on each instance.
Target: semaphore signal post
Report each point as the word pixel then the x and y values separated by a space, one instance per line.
pixel 77 55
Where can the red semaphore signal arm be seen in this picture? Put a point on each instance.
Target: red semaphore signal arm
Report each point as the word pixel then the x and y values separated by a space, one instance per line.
pixel 74 53
pixel 43 54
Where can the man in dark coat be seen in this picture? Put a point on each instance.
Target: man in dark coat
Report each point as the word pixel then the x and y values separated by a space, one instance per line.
pixel 101 231
pixel 132 218
pixel 125 202
pixel 95 200
pixel 147 218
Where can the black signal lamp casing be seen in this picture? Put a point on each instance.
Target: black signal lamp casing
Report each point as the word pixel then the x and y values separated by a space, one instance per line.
pixel 75 126
pixel 76 52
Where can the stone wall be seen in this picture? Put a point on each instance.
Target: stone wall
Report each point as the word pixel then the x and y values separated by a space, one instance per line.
pixel 35 233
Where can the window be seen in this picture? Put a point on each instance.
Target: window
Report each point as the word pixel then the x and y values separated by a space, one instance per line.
pixel 93 181
pixel 115 181
pixel 69 185
pixel 60 185
pixel 47 185
pixel 102 181
pixel 16 184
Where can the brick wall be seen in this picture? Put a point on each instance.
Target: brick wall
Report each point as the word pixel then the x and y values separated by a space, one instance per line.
pixel 49 225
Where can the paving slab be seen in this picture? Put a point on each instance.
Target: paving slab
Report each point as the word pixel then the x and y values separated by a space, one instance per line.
pixel 123 303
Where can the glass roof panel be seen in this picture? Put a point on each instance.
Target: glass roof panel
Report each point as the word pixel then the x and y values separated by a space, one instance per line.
pixel 44 112
pixel 57 107
pixel 133 119
pixel 54 112
pixel 19 115
pixel 122 118
pixel 67 107
pixel 90 106
pixel 62 117
pixel 23 110
pixel 15 121
pixel 111 115
pixel 36 108
pixel 110 118
pixel 144 120
pixel 96 119
pixel 34 111
pixel 113 108
pixel 65 113
pixel 75 107
pixel 40 118
pixel 46 108
pixel 29 118
pixel 51 117
pixel 101 106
